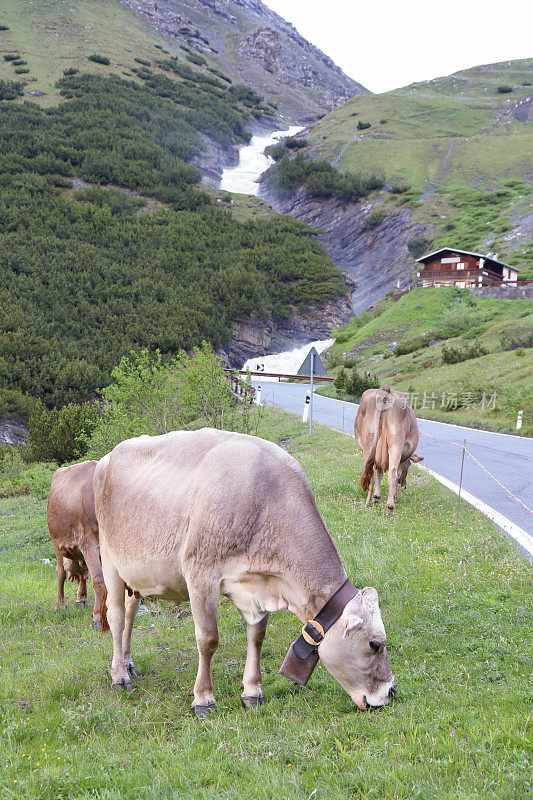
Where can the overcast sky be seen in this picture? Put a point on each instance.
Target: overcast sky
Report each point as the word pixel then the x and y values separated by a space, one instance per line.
pixel 385 44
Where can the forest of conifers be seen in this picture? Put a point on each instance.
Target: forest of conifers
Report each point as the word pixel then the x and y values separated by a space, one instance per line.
pixel 87 276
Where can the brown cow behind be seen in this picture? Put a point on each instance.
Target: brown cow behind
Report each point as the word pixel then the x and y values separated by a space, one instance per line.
pixel 74 533
pixel 387 433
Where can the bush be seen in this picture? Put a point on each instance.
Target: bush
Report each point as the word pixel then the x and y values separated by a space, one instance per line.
pixel 70 71
pixel 418 245
pixel 361 126
pixel 383 121
pixel 291 143
pixel 399 188
pixel 4 28
pixel 21 71
pixel 455 355
pixel 17 477
pixel 142 61
pixel 20 62
pixel 152 397
pixel 11 56
pixel 357 384
pixel 340 380
pixel 60 434
pixel 373 219
pixel 10 90
pixel 505 89
pixel 516 339
pixel 99 59
pixel 411 345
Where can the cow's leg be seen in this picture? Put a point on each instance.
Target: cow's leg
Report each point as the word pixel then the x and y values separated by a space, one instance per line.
pixel 376 485
pixel 252 695
pixel 61 576
pixel 394 463
pixel 132 606
pixel 91 555
pixel 81 594
pixel 204 597
pixel 116 589
pixel 402 473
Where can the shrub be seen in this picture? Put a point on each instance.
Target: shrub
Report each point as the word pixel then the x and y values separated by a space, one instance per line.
pixel 505 89
pixel 99 59
pixel 454 355
pixel 60 434
pixel 418 245
pixel 356 384
pixel 373 219
pixel 383 121
pixel 516 339
pixel 19 62
pixel 362 126
pixel 340 380
pixel 4 28
pixel 411 345
pixel 142 61
pixel 70 71
pixel 294 144
pixel 21 71
pixel 17 477
pixel 11 56
pixel 195 58
pixel 399 188
pixel 9 90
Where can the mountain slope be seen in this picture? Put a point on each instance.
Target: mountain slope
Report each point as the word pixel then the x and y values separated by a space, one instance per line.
pixel 253 44
pixel 456 152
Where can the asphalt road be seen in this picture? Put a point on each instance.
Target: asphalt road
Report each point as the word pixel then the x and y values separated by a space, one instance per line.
pixel 508 458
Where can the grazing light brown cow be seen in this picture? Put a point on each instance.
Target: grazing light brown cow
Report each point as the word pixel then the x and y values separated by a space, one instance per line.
pixel 387 433
pixel 196 515
pixel 74 533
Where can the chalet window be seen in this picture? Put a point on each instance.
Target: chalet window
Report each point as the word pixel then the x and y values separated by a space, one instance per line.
pixel 461 265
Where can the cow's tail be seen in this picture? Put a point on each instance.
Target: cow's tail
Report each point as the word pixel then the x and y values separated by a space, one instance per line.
pixel 103 611
pixel 366 477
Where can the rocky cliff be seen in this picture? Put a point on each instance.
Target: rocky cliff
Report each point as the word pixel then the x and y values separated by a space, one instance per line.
pixel 377 258
pixel 255 337
pixel 255 46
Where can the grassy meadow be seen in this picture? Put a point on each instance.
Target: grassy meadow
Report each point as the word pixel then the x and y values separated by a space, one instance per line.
pixel 456 602
pixel 429 319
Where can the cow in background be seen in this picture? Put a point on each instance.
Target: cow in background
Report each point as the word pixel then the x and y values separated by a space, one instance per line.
pixel 74 532
pixel 387 433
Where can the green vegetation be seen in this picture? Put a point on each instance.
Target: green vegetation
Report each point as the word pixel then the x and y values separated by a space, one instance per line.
pixel 456 602
pixel 319 179
pixel 455 353
pixel 99 59
pixel 455 141
pixel 86 279
pixel 60 434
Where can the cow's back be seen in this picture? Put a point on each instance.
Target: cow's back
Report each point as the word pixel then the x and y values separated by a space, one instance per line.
pixel 209 497
pixel 71 498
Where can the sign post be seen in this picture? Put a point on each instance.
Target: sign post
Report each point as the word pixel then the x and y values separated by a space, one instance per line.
pixel 312 366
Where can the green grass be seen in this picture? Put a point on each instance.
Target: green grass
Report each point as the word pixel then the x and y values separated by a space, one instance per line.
pixel 453 140
pixel 456 602
pixel 434 311
pixel 52 36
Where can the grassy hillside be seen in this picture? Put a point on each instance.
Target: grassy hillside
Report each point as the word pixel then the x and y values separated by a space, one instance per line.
pixel 448 144
pixel 151 261
pixel 405 343
pixel 456 603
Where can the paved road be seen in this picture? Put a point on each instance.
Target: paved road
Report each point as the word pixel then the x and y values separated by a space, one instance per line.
pixel 508 458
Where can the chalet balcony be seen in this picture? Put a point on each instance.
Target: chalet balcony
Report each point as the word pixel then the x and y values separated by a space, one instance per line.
pixel 467 277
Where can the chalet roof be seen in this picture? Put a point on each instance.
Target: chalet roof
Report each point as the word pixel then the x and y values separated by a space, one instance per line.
pixel 425 258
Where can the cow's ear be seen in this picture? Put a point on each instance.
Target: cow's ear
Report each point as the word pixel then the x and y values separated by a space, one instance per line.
pixel 370 597
pixel 351 619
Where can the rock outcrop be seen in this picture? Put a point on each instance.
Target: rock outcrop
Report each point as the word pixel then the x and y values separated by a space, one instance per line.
pixel 377 258
pixel 254 45
pixel 256 337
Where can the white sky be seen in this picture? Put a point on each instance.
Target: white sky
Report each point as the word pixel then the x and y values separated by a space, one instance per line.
pixel 385 44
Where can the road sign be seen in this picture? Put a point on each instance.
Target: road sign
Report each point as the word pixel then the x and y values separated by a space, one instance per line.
pixel 318 366
pixel 260 368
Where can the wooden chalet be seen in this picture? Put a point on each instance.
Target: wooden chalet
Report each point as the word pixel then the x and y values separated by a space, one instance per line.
pixel 459 267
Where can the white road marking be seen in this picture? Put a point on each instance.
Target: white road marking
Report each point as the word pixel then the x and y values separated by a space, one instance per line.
pixel 518 534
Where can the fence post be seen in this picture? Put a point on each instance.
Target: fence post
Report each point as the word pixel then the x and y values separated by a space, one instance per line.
pixel 460 482
pixel 519 418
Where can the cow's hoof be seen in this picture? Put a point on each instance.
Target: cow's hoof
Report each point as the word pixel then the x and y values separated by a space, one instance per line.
pixel 131 670
pixel 251 703
pixel 202 711
pixel 82 602
pixel 96 625
pixel 376 499
pixel 390 509
pixel 124 684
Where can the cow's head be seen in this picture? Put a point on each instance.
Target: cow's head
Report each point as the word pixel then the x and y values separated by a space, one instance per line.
pixel 355 653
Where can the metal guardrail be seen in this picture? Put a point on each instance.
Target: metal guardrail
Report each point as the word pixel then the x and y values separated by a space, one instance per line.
pixel 284 375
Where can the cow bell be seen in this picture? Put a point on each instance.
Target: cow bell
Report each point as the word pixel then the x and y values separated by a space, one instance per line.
pixel 296 669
